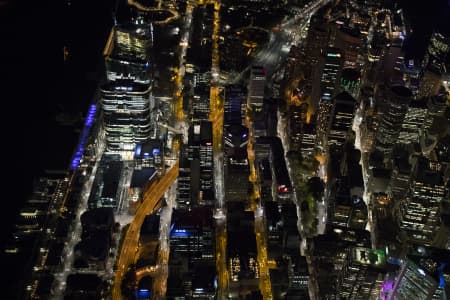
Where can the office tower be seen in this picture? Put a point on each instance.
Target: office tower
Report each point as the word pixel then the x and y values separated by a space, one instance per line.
pixel 328 87
pixel 351 81
pixel 192 261
pixel 117 67
pixel 105 191
pixel 235 141
pixel 270 147
pixel 393 108
pixel 341 118
pixel 420 210
pixel 297 117
pixel 331 73
pixel 126 114
pixel 201 93
pixel 411 282
pixel 350 41
pixel 437 57
pixel 241 252
pixel 316 42
pixel 256 87
pixel 413 122
pixel 429 84
pixel 128 52
pixel 362 274
pixel 411 73
pixel 184 178
pixel 392 63
pixel 206 196
pixel 235 99
pixel 436 108
pixel 133 40
pixel 149 155
pixel 236 174
pixel 200 167
pixel 400 177
pixel 191 233
pixel 308 139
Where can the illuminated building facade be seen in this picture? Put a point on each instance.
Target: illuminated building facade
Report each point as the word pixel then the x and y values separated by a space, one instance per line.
pixel 362 274
pixel 420 211
pixel 341 118
pixel 351 81
pixel 413 122
pixel 412 282
pixel 297 118
pixel 235 98
pixel 133 40
pixel 349 40
pixel 392 113
pixel 126 114
pixel 256 87
pixel 328 87
pixel 437 57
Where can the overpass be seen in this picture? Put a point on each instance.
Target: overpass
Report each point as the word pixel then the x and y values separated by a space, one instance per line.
pixel 151 202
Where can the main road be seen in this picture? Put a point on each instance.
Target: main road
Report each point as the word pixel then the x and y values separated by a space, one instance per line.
pixel 151 202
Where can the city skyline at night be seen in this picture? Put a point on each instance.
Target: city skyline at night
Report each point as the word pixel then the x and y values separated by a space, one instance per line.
pixel 220 149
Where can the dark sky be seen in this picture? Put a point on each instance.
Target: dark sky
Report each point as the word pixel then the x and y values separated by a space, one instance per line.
pixel 425 16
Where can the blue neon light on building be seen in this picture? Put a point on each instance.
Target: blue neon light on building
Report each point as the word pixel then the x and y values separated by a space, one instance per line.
pixel 75 162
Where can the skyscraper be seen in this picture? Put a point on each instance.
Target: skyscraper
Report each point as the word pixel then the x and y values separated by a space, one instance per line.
pixel 341 118
pixel 394 106
pixel 256 87
pixel 411 282
pixel 413 122
pixel 437 57
pixel 328 87
pixel 235 97
pixel 126 114
pixel 420 210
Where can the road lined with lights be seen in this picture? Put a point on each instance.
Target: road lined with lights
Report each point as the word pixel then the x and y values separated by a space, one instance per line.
pixel 151 202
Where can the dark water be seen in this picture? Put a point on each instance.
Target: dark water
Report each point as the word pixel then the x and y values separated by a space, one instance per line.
pixel 39 86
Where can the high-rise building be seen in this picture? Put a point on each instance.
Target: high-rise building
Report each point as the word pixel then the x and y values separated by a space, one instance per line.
pixel 341 118
pixel 394 106
pixel 436 108
pixel 297 117
pixel 420 210
pixel 237 172
pixel 351 81
pixel 256 87
pixel 308 139
pixel 126 114
pixel 437 58
pixel 235 99
pixel 400 177
pixel 206 164
pixel 235 141
pixel 413 122
pixel 184 179
pixel 328 87
pixel 350 41
pixel 128 52
pixel 411 282
pixel 362 274
pixel 317 41
pixel 199 170
pixel 430 84
pixel 331 73
pixel 133 40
